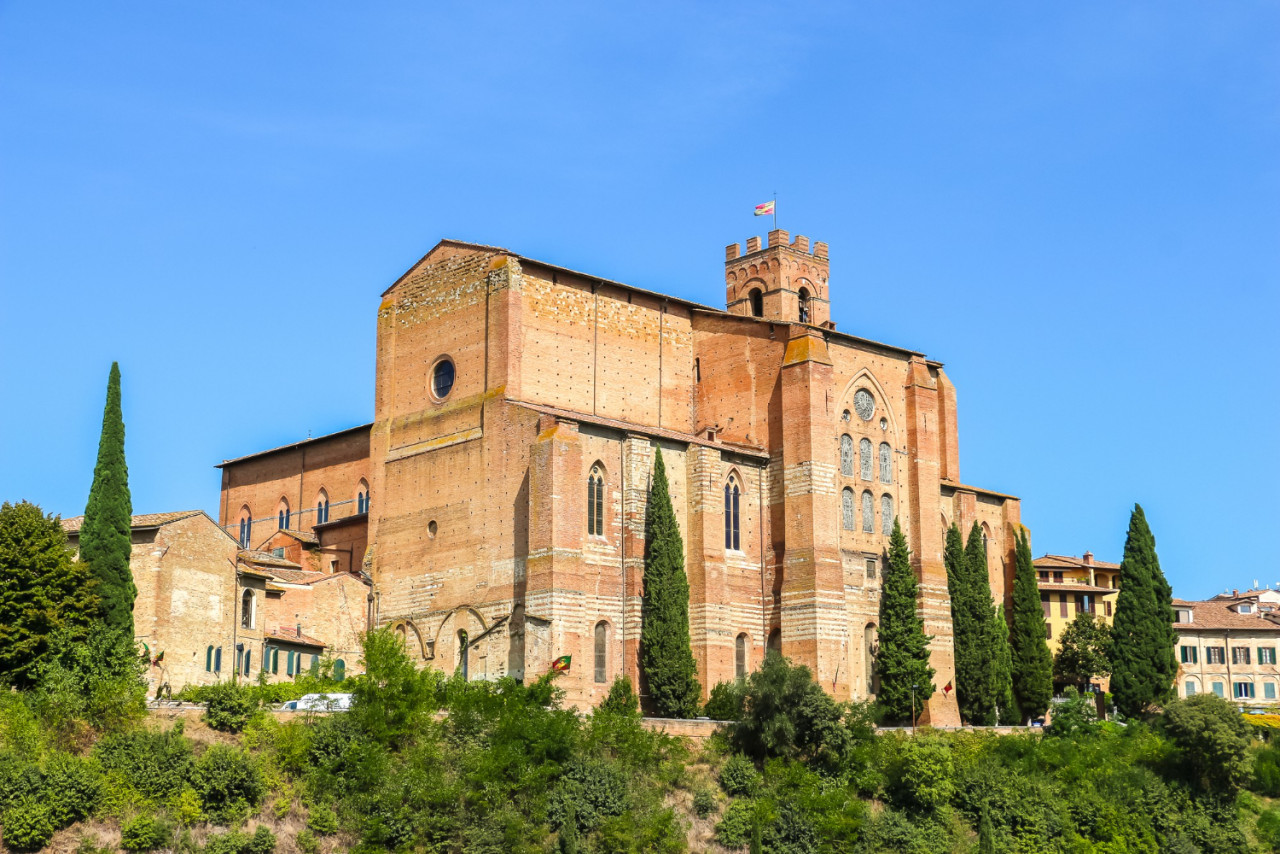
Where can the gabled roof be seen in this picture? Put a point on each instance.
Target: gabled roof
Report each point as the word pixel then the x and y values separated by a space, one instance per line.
pixel 292 636
pixel 293 445
pixel 298 576
pixel 144 520
pixel 1049 561
pixel 304 537
pixel 1217 616
pixel 267 560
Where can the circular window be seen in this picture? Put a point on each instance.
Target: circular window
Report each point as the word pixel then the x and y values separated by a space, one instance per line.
pixel 442 379
pixel 864 404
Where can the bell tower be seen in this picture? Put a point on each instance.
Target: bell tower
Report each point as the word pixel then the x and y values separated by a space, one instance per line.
pixel 780 280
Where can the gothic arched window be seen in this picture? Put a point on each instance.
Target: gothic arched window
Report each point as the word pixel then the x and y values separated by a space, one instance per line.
pixel 246 610
pixel 886 463
pixel 868 514
pixel 322 507
pixel 886 514
pixel 846 455
pixel 740 657
pixel 595 502
pixel 246 527
pixel 846 509
pixel 362 497
pixel 804 305
pixel 864 454
pixel 602 651
pixel 757 302
pixel 732 515
pixel 283 515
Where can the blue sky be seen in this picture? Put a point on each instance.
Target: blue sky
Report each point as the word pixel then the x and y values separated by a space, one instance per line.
pixel 1076 207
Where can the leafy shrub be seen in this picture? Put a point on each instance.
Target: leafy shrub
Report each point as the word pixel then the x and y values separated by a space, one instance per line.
pixel 739 777
pixel 306 842
pixel 1213 740
pixel 704 803
pixel 1266 772
pixel 27 826
pixel 892 830
pixel 923 776
pixel 263 841
pixel 725 702
pixel 144 833
pixel 1075 715
pixel 19 779
pixel 156 764
pixel 734 828
pixel 1269 829
pixel 790 833
pixel 185 807
pixel 622 699
pixel 230 706
pixel 228 781
pixel 589 791
pixel 96 678
pixel 787 714
pixel 322 820
pixel 72 787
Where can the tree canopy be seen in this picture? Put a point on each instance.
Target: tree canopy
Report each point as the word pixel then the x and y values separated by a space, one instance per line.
pixel 42 591
pixel 666 653
pixel 106 534
pixel 1084 651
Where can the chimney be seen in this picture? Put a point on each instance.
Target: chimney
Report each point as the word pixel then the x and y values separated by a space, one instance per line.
pixel 1235 593
pixel 1088 558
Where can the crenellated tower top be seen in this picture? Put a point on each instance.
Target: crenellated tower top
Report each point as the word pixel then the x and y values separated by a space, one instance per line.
pixel 779 280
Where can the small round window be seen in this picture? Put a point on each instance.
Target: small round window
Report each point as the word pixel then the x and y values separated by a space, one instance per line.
pixel 442 379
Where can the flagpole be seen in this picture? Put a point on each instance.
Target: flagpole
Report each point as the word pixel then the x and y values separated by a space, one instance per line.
pixel 775 210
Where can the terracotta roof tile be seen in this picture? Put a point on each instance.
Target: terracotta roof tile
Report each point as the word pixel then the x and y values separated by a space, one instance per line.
pixel 301 536
pixel 1215 616
pixel 1073 562
pixel 1067 587
pixel 266 560
pixel 144 520
pixel 291 634
pixel 298 576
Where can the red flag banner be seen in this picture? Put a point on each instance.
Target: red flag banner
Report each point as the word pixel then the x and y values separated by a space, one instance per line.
pixel 765 209
pixel 947 688
pixel 561 664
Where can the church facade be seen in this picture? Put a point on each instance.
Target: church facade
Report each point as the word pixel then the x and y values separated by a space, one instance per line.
pixel 498 498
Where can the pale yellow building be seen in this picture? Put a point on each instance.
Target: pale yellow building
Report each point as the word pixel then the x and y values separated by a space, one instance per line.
pixel 1074 585
pixel 1227 646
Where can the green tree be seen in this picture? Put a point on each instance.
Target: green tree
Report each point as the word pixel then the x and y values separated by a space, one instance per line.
pixel 966 636
pixel 1032 664
pixel 1008 705
pixel 1143 665
pixel 984 694
pixel 903 660
pixel 1084 651
pixel 666 653
pixel 106 535
pixel 42 591
pixel 1214 741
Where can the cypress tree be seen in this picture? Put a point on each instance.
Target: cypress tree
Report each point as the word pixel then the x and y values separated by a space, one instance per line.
pixel 962 628
pixel 983 697
pixel 903 659
pixel 1032 669
pixel 1008 706
pixel 1143 665
pixel 106 534
pixel 42 590
pixel 666 653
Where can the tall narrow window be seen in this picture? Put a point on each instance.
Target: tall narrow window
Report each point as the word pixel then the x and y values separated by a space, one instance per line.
pixel 886 514
pixel 464 663
pixel 246 610
pixel 740 657
pixel 208 659
pixel 757 302
pixel 595 502
pixel 846 455
pixel 846 509
pixel 290 663
pixel 248 655
pixel 886 463
pixel 339 670
pixel 602 651
pixel 246 527
pixel 217 660
pixel 868 514
pixel 804 305
pixel 864 452
pixel 322 508
pixel 732 515
pixel 282 516
pixel 275 659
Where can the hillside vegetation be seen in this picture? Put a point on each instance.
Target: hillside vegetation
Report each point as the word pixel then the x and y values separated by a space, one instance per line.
pixel 423 763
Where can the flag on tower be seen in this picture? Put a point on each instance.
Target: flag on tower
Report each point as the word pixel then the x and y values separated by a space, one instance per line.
pixel 561 664
pixel 765 209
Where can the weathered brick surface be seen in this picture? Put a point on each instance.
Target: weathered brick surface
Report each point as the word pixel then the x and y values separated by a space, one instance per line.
pixel 479 514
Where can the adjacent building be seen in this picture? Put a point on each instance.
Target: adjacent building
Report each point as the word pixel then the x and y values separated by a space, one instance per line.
pixel 206 609
pixel 1227 646
pixel 497 500
pixel 1070 586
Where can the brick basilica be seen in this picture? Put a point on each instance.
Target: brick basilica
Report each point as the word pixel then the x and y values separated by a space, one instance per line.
pixel 497 499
